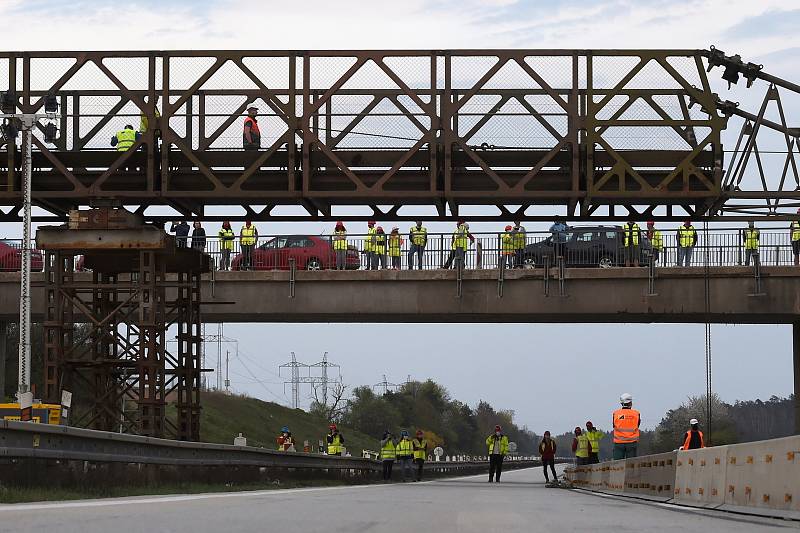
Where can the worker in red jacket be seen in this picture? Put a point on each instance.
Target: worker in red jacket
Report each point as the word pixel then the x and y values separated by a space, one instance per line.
pixel 547 451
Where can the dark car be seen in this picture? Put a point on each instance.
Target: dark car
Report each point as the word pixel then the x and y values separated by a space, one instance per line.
pixel 11 257
pixel 600 246
pixel 309 252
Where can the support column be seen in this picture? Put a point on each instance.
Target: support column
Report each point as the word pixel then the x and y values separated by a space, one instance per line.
pixel 796 352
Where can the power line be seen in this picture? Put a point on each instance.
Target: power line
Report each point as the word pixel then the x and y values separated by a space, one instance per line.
pixel 385 385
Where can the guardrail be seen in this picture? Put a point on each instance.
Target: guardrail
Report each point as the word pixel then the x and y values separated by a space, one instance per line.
pixel 584 247
pixel 760 478
pixel 45 455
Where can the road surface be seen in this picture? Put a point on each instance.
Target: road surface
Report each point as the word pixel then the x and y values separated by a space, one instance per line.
pixel 520 503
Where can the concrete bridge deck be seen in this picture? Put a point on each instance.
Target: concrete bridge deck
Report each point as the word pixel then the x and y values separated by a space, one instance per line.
pixel 520 503
pixel 590 295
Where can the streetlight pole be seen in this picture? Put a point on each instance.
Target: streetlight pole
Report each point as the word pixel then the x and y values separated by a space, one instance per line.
pixel 24 393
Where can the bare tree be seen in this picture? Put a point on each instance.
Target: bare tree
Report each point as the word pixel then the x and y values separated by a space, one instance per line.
pixel 329 405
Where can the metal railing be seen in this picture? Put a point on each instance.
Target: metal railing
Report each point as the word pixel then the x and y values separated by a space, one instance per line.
pixel 583 247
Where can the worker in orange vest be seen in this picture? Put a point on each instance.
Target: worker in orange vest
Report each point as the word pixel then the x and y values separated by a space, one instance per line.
pixel 626 421
pixel 251 135
pixel 693 439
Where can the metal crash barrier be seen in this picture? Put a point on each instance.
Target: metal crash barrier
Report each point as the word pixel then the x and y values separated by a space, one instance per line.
pixel 761 478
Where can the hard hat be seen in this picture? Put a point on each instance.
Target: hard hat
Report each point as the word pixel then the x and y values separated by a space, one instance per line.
pixel 404 433
pixel 589 423
pixel 751 223
pixel 332 426
pixel 509 228
pixel 466 226
pixel 460 221
pixel 626 398
pixel 688 222
pixel 339 223
pixel 371 223
pixel 380 228
pixel 693 422
pixel 650 223
pixel 395 228
pixel 252 106
pixel 498 428
pixel 285 429
pixel 419 433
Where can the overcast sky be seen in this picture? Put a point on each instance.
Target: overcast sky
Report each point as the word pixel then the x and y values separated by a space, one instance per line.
pixel 553 376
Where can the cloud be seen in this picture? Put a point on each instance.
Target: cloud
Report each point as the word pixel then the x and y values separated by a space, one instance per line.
pixel 772 23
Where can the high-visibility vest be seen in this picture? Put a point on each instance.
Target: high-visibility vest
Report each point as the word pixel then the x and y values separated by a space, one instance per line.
pixel 419 236
pixel 404 448
pixel 626 426
pixel 595 437
pixel 144 122
pixel 688 440
pixel 125 139
pixel 394 245
pixel 226 238
pixel 519 239
pixel 686 236
pixel 340 240
pixel 460 238
pixel 631 234
pixel 751 237
pixel 335 446
pixel 388 450
pixel 583 446
pixel 507 243
pixel 795 231
pixel 490 440
pixel 255 133
pixel 657 240
pixel 380 243
pixel 420 448
pixel 369 243
pixel 247 236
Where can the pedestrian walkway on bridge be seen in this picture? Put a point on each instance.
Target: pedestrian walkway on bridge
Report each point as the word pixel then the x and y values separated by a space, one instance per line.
pixel 520 503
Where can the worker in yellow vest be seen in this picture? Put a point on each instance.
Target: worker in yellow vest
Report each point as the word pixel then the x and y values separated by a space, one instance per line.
pixel 520 236
pixel 248 237
pixel 751 238
pixel 388 453
pixel 626 421
pixel 595 436
pixel 226 238
pixel 125 138
pixel 405 454
pixel 420 446
pixel 497 449
pixel 395 243
pixel 418 236
pixel 581 447
pixel 631 237
pixel 507 248
pixel 340 245
pixel 693 439
pixel 687 238
pixel 369 244
pixel 335 441
pixel 379 250
pixel 794 231
pixel 460 245
pixel 144 122
pixel 656 241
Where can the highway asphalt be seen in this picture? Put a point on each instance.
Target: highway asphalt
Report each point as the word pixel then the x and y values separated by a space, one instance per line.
pixel 520 503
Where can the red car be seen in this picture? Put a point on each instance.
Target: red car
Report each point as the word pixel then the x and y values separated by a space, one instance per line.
pixel 309 252
pixel 11 257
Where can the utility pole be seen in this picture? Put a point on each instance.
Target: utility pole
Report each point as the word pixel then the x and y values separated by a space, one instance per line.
pixel 227 379
pixel 295 367
pixel 8 106
pixel 385 385
pixel 324 365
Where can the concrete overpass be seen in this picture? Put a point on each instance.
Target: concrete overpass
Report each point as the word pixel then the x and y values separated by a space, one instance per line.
pixel 616 295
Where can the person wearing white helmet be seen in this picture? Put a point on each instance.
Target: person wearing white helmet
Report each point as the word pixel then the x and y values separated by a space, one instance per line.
pixel 693 439
pixel 626 421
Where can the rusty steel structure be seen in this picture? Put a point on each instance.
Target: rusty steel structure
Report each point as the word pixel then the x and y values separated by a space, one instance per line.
pixel 602 133
pixel 106 339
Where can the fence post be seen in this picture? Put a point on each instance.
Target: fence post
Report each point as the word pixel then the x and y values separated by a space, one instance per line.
pixel 501 272
pixel 546 273
pixel 292 271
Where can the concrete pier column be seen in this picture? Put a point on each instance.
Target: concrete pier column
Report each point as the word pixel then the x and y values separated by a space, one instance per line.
pixel 796 353
pixel 3 358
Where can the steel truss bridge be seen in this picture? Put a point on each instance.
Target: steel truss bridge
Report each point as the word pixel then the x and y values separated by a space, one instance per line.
pixel 602 134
